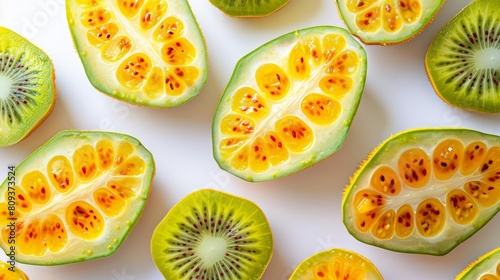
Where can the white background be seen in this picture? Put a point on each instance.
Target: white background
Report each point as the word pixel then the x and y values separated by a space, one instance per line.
pixel 304 208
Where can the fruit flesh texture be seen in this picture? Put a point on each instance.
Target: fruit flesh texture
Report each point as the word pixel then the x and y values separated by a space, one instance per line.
pixel 146 52
pixel 212 235
pixel 289 103
pixel 487 267
pixel 425 191
pixel 76 198
pixel 336 264
pixel 7 274
pixel 387 21
pixel 252 8
pixel 462 60
pixel 27 88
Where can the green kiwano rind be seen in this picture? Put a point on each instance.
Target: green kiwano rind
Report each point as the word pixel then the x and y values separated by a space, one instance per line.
pixel 424 191
pixel 213 235
pixel 486 267
pixel 28 90
pixel 316 64
pixel 462 59
pixel 74 199
pixel 333 262
pixel 250 8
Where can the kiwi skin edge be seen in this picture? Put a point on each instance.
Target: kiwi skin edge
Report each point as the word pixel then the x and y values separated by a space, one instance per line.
pixel 20 40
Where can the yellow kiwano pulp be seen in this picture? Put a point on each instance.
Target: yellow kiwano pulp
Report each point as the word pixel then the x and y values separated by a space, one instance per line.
pixel 74 199
pixel 425 191
pixel 487 267
pixel 336 264
pixel 10 271
pixel 145 52
pixel 387 22
pixel 289 103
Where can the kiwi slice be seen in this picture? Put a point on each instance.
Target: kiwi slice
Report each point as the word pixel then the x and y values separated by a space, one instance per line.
pixel 9 271
pixel 462 61
pixel 289 103
pixel 487 267
pixel 387 22
pixel 144 52
pixel 76 198
pixel 27 87
pixel 249 8
pixel 336 263
pixel 425 191
pixel 212 235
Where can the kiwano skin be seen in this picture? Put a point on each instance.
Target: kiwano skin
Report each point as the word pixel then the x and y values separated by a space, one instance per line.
pixel 33 104
pixel 487 267
pixel 6 272
pixel 333 262
pixel 425 191
pixel 235 9
pixel 149 53
pixel 289 103
pixel 74 199
pixel 387 22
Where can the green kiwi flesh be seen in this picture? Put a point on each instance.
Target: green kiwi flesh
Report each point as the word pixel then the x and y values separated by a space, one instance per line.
pixel 463 60
pixel 27 88
pixel 212 235
pixel 249 8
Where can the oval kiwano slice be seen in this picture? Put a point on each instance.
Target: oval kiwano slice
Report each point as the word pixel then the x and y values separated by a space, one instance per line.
pixel 76 198
pixel 11 272
pixel 336 263
pixel 387 22
pixel 425 191
pixel 146 52
pixel 487 267
pixel 289 103
pixel 213 235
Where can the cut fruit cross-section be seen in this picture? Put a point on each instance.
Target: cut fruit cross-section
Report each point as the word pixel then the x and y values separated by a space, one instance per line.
pixel 289 103
pixel 76 198
pixel 425 191
pixel 146 52
pixel 487 267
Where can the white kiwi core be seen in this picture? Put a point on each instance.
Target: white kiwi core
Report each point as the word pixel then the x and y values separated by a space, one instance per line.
pixel 5 86
pixel 488 58
pixel 212 249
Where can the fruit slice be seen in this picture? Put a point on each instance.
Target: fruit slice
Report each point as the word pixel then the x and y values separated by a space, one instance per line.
pixel 11 272
pixel 336 263
pixel 251 8
pixel 27 87
pixel 462 61
pixel 425 190
pixel 212 235
pixel 289 103
pixel 487 267
pixel 387 22
pixel 146 52
pixel 76 198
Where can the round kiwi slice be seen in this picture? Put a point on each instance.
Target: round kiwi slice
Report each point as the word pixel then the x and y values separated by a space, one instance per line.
pixel 463 60
pixel 336 263
pixel 487 267
pixel 387 22
pixel 145 52
pixel 249 8
pixel 9 271
pixel 425 191
pixel 27 87
pixel 212 235
pixel 74 199
pixel 289 103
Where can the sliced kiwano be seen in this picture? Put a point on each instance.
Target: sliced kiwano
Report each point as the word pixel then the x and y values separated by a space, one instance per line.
pixel 425 190
pixel 387 22
pixel 27 87
pixel 338 264
pixel 289 103
pixel 145 52
pixel 487 267
pixel 462 61
pixel 76 198
pixel 250 8
pixel 213 235
pixel 11 272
